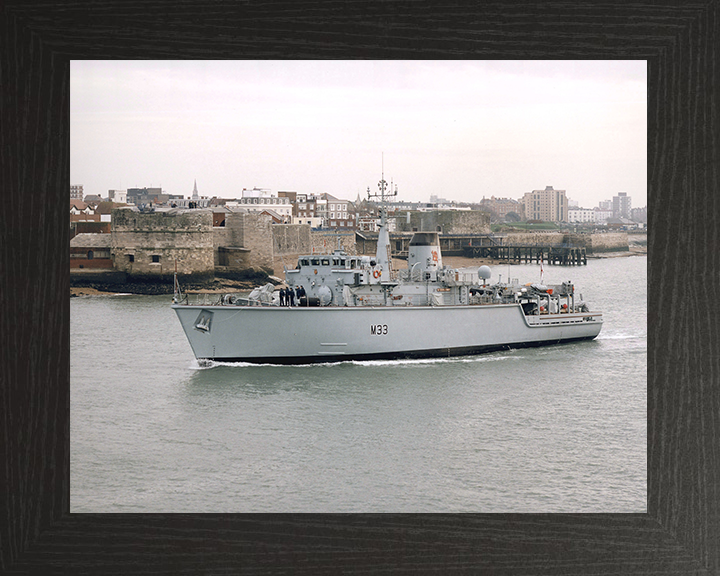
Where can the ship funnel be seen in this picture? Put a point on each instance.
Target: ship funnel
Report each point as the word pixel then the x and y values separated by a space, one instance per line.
pixel 424 250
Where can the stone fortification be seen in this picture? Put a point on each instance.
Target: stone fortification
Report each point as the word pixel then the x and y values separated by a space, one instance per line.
pixel 325 242
pixel 244 244
pixel 291 239
pixel 445 221
pixel 146 246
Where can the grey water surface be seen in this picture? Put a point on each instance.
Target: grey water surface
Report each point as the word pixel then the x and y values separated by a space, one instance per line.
pixel 555 429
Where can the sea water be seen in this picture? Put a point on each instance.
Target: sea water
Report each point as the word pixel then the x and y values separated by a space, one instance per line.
pixel 561 428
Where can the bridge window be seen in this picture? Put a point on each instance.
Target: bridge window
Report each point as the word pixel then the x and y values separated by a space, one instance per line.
pixel 325 262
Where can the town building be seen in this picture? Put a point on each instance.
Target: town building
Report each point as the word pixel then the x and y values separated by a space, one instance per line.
pixel 639 214
pixel 82 212
pixel 501 207
pixel 621 205
pixel 292 196
pixel 139 196
pixel 548 205
pixel 305 207
pixel 259 200
pixel 602 215
pixel 76 192
pixel 339 214
pixel 90 251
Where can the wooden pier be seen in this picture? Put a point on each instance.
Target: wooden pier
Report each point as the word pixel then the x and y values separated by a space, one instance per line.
pixel 482 246
pixel 562 255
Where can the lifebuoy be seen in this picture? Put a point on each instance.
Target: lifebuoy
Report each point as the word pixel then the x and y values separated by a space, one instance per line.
pixel 376 273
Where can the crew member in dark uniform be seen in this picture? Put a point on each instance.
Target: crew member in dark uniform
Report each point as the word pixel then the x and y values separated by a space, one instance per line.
pixel 300 294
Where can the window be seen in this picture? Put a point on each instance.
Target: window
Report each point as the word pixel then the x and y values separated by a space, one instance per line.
pixel 131 257
pixel 155 258
pixel 90 255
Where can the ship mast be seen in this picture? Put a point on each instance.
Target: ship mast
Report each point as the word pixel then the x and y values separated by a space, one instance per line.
pixel 383 254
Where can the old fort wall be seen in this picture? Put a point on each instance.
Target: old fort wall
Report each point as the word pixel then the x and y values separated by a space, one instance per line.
pixel 148 245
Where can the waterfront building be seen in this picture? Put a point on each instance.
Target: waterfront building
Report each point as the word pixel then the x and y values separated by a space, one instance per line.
pixel 581 216
pixel 548 205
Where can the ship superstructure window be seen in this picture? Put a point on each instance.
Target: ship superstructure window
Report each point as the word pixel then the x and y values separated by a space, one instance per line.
pixel 315 261
pixel 325 261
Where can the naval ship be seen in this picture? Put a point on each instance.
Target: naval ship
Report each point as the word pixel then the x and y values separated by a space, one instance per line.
pixel 360 308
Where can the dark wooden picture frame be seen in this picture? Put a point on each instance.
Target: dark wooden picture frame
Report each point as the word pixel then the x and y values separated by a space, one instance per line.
pixel 680 532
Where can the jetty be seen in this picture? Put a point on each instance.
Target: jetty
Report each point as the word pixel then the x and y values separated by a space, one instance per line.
pixel 493 247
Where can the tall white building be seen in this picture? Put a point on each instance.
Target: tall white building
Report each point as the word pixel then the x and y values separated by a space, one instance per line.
pixel 76 192
pixel 119 196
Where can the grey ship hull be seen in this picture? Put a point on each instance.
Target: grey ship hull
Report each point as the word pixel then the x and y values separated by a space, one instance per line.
pixel 282 335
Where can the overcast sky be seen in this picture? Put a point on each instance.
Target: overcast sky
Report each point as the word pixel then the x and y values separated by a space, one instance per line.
pixel 462 130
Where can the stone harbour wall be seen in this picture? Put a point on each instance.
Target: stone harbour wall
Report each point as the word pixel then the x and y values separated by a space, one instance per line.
pixel 534 238
pixel 593 243
pixel 608 242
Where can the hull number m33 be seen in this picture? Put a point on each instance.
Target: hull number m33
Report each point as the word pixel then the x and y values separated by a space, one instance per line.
pixel 378 329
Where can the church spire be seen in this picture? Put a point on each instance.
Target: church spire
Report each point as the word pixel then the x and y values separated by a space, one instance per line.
pixel 195 192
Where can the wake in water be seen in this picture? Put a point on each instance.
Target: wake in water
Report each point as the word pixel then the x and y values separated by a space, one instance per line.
pixel 209 364
pixel 621 336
